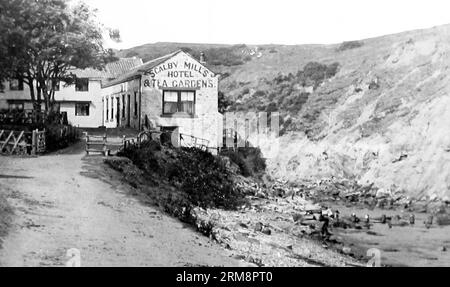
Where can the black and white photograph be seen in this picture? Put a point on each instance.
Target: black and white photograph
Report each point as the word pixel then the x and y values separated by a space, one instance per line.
pixel 211 134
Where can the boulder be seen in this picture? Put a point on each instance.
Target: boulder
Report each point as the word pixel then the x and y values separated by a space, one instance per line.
pixel 346 250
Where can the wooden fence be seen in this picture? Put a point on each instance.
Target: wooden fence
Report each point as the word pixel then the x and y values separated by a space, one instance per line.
pixel 21 142
pixel 231 140
pixel 100 144
pixel 165 136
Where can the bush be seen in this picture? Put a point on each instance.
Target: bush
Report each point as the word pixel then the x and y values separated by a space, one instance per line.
pixel 56 134
pixel 203 178
pixel 348 45
pixel 224 102
pixel 249 160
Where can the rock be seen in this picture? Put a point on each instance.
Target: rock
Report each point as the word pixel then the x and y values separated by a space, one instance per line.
pixel 243 225
pixel 346 250
pixel 308 222
pixel 267 231
pixel 259 227
pixel 335 239
pixel 443 219
pixel 412 219
pixel 444 249
pixel 381 193
pixel 297 217
pixel 429 222
pixel 239 257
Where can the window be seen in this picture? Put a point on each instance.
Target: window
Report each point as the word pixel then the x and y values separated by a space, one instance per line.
pixel 16 85
pixel 123 106
pixel 112 109
pixel 135 104
pixel 187 102
pixel 82 84
pixel 82 109
pixel 107 109
pixel 16 107
pixel 178 102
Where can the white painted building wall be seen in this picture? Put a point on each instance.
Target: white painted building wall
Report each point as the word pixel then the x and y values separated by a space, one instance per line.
pixel 67 97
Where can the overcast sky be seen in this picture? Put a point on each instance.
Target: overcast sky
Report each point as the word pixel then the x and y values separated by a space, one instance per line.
pixel 265 21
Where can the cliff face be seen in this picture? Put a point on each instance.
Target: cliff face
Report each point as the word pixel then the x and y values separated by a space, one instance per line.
pixel 384 118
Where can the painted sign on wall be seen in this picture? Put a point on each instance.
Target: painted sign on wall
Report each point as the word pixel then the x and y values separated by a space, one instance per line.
pixel 179 74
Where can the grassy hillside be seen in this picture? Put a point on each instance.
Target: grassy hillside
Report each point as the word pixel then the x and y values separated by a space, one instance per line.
pixel 217 55
pixel 375 110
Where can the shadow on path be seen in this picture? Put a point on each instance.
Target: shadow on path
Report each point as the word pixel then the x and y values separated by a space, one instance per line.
pixel 15 176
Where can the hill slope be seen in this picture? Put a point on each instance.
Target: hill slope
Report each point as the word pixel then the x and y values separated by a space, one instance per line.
pixel 382 117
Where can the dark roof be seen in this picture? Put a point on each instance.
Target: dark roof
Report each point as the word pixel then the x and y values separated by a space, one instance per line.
pixel 123 65
pixel 112 70
pixel 139 70
pixel 90 73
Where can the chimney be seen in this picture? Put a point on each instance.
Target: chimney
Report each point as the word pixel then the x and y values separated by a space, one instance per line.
pixel 202 58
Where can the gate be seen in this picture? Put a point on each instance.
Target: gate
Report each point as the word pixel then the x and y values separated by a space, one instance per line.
pixel 21 142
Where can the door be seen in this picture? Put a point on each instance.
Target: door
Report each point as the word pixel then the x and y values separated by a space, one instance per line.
pixel 128 111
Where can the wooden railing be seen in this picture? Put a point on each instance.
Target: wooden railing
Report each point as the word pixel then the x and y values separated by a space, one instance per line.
pixel 192 141
pixel 164 136
pixel 100 144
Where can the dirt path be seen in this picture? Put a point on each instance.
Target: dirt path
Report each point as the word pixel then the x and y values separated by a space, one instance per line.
pixel 65 201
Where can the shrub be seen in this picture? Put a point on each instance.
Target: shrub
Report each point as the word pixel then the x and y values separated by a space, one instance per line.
pixel 56 136
pixel 348 45
pixel 315 71
pixel 259 93
pixel 225 56
pixel 332 70
pixel 224 102
pixel 203 178
pixel 249 160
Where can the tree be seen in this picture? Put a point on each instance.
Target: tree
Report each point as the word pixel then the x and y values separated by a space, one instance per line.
pixel 224 103
pixel 43 41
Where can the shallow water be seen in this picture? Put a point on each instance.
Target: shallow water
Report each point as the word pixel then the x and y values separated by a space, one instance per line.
pixel 411 245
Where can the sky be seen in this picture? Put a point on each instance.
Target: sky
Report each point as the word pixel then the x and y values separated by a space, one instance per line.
pixel 265 21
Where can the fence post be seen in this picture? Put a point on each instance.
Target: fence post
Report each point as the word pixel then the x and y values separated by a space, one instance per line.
pixel 45 141
pixel 34 142
pixel 87 144
pixel 105 148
